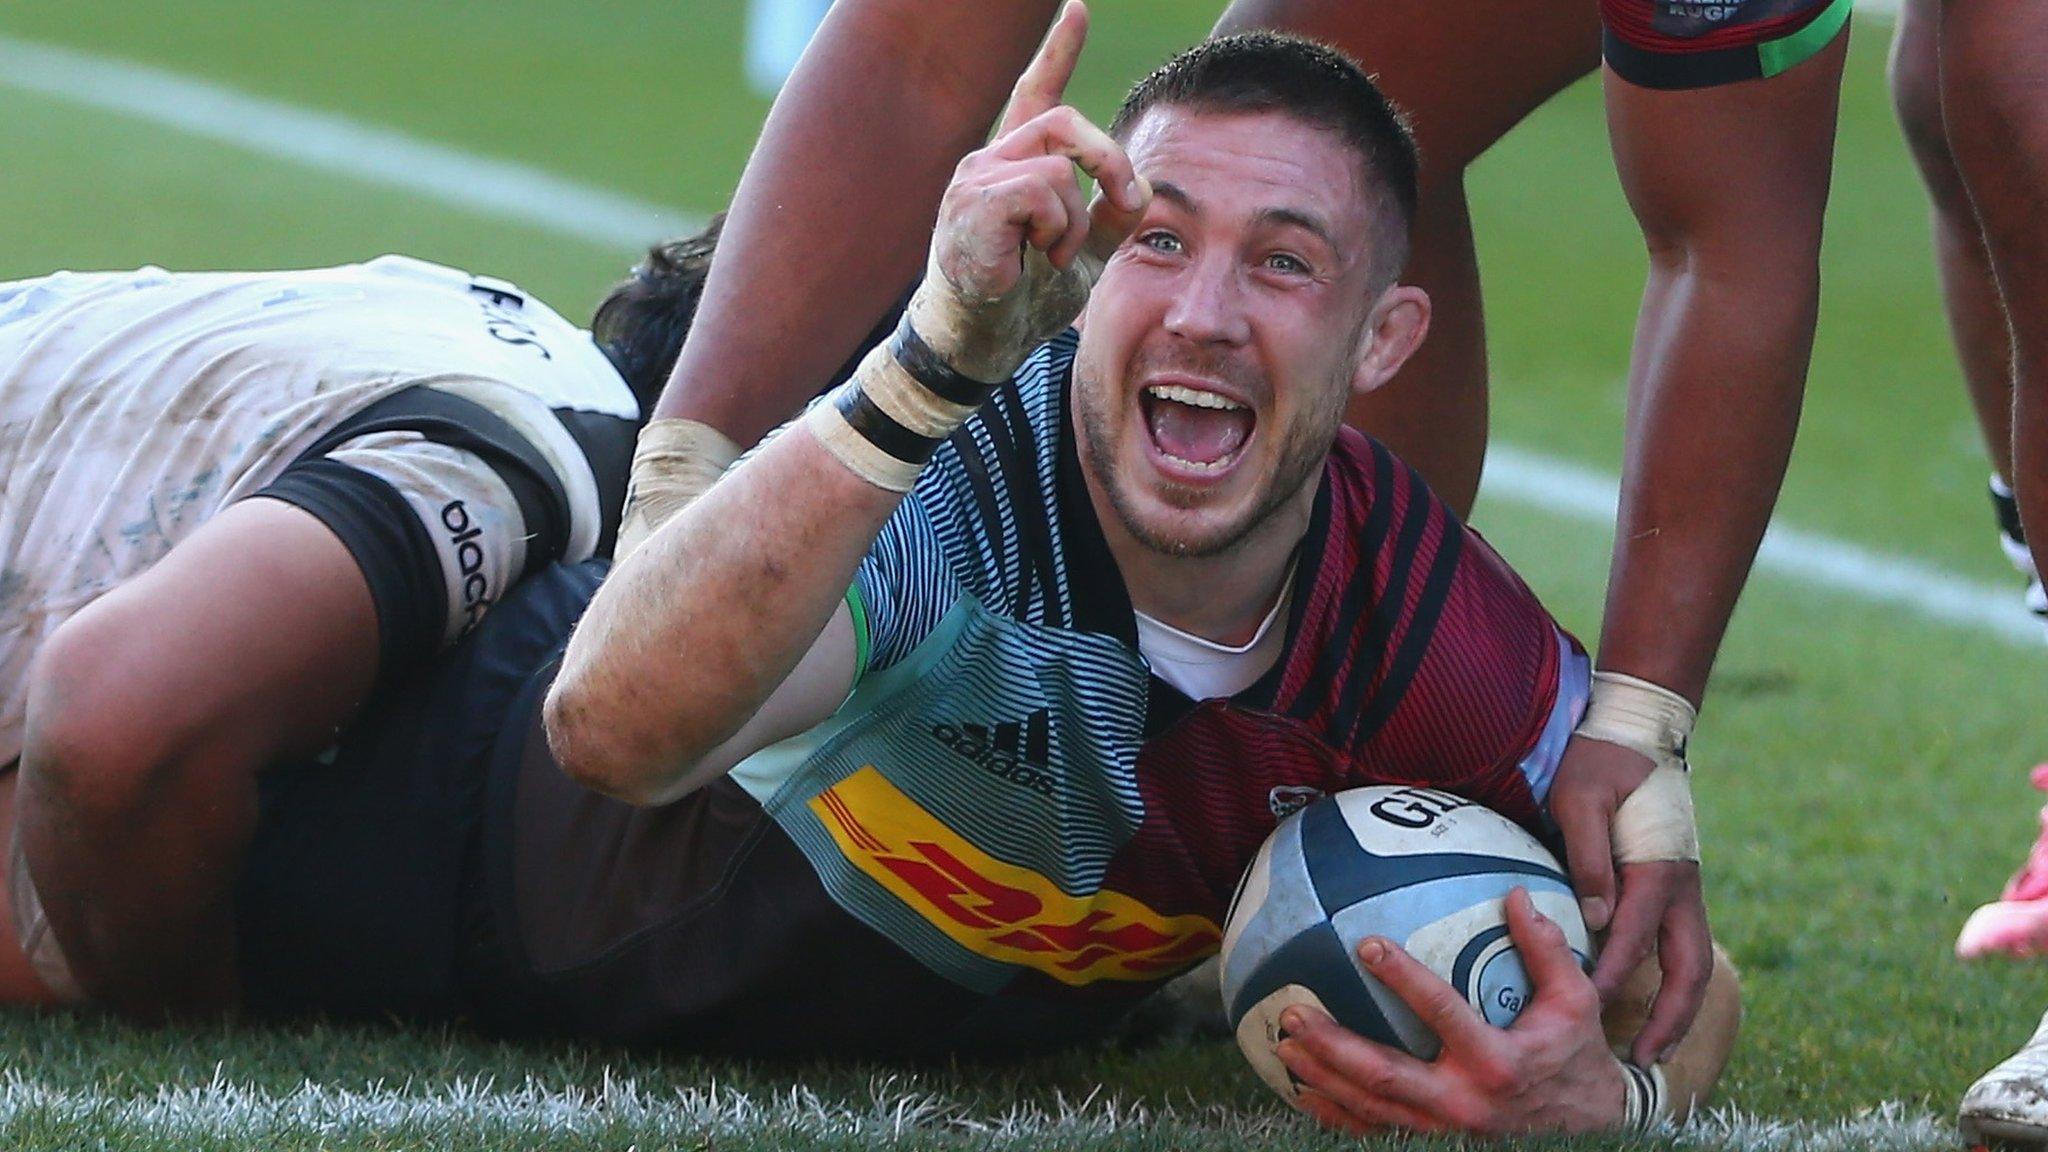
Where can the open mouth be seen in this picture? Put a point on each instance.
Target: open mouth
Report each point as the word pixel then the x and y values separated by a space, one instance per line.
pixel 1195 429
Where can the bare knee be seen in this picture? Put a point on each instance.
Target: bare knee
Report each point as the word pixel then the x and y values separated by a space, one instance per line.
pixel 1695 1067
pixel 1915 76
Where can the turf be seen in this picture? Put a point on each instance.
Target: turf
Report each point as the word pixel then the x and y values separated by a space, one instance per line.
pixel 1860 768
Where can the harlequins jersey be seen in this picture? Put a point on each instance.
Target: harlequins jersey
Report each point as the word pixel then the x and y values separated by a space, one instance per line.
pixel 1010 820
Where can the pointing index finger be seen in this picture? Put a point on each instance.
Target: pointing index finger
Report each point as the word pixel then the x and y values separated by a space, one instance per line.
pixel 1043 86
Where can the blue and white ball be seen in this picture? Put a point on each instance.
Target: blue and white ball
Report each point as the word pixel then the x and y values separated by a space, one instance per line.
pixel 1425 869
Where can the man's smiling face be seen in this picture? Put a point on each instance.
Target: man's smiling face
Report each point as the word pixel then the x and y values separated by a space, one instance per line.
pixel 1221 344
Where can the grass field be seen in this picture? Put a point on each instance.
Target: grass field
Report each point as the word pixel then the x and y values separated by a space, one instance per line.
pixel 1861 763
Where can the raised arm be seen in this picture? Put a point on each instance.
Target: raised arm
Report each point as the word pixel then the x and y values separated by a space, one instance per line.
pixel 1729 184
pixel 843 184
pixel 698 630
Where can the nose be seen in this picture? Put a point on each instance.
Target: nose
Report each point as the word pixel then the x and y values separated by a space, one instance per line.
pixel 1209 303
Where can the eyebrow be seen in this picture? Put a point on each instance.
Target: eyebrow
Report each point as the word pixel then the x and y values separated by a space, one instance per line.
pixel 1295 218
pixel 1168 190
pixel 1286 217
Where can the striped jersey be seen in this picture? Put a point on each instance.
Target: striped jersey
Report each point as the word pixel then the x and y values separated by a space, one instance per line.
pixel 1011 829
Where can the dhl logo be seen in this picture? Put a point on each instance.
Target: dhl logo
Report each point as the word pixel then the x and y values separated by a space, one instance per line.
pixel 996 909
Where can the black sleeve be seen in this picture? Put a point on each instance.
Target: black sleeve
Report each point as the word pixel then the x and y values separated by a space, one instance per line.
pixel 390 545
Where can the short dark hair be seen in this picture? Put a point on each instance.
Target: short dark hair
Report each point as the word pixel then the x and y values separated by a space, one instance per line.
pixel 1271 72
pixel 641 322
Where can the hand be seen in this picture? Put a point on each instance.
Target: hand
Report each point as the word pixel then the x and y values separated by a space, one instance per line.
pixel 1550 1072
pixel 1017 249
pixel 1660 911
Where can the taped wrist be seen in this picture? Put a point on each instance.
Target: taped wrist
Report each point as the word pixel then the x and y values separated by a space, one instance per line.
pixel 1640 716
pixel 1646 1100
pixel 1656 821
pixel 674 462
pixel 901 403
pixel 983 340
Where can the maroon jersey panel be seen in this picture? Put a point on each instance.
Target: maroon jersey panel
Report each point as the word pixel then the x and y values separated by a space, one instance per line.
pixel 1414 656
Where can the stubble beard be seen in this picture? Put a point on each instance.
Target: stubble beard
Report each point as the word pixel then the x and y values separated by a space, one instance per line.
pixel 1301 457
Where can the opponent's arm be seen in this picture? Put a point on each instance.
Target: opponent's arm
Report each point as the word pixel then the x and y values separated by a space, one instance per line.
pixel 150 713
pixel 701 627
pixel 1729 184
pixel 843 184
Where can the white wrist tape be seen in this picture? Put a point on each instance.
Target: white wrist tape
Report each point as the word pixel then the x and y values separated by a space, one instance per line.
pixel 674 462
pixel 1646 1102
pixel 1656 821
pixel 1640 716
pixel 900 405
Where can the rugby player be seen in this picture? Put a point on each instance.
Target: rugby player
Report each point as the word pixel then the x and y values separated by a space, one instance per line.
pixel 974 689
pixel 1722 116
pixel 1970 292
pixel 1966 79
pixel 230 505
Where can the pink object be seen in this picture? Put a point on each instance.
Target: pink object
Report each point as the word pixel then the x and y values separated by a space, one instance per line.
pixel 2017 925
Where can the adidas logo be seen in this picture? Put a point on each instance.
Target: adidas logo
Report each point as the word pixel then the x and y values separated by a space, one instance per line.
pixel 1017 751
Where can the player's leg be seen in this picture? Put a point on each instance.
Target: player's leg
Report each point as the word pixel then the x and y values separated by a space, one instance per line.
pixel 1695 1067
pixel 1976 315
pixel 150 713
pixel 1996 111
pixel 1465 73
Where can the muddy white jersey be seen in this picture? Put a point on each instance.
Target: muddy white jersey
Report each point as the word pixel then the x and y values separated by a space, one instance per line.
pixel 452 430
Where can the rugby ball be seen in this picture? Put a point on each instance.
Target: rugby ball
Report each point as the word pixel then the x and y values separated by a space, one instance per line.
pixel 1425 869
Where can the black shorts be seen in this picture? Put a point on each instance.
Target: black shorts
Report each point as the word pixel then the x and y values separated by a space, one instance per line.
pixel 1704 43
pixel 361 892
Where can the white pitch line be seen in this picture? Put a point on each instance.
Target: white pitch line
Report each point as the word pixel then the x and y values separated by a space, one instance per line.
pixel 1582 493
pixel 340 145
pixel 564 206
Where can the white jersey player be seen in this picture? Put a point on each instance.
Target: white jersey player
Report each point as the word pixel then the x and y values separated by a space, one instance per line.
pixel 231 504
pixel 134 406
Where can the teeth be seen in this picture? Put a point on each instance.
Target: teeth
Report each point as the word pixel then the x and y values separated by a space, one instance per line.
pixel 1182 394
pixel 1201 465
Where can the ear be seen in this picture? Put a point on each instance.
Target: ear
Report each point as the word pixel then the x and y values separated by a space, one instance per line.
pixel 1399 321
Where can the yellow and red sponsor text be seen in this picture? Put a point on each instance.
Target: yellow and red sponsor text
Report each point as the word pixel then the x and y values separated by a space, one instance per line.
pixel 1000 910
